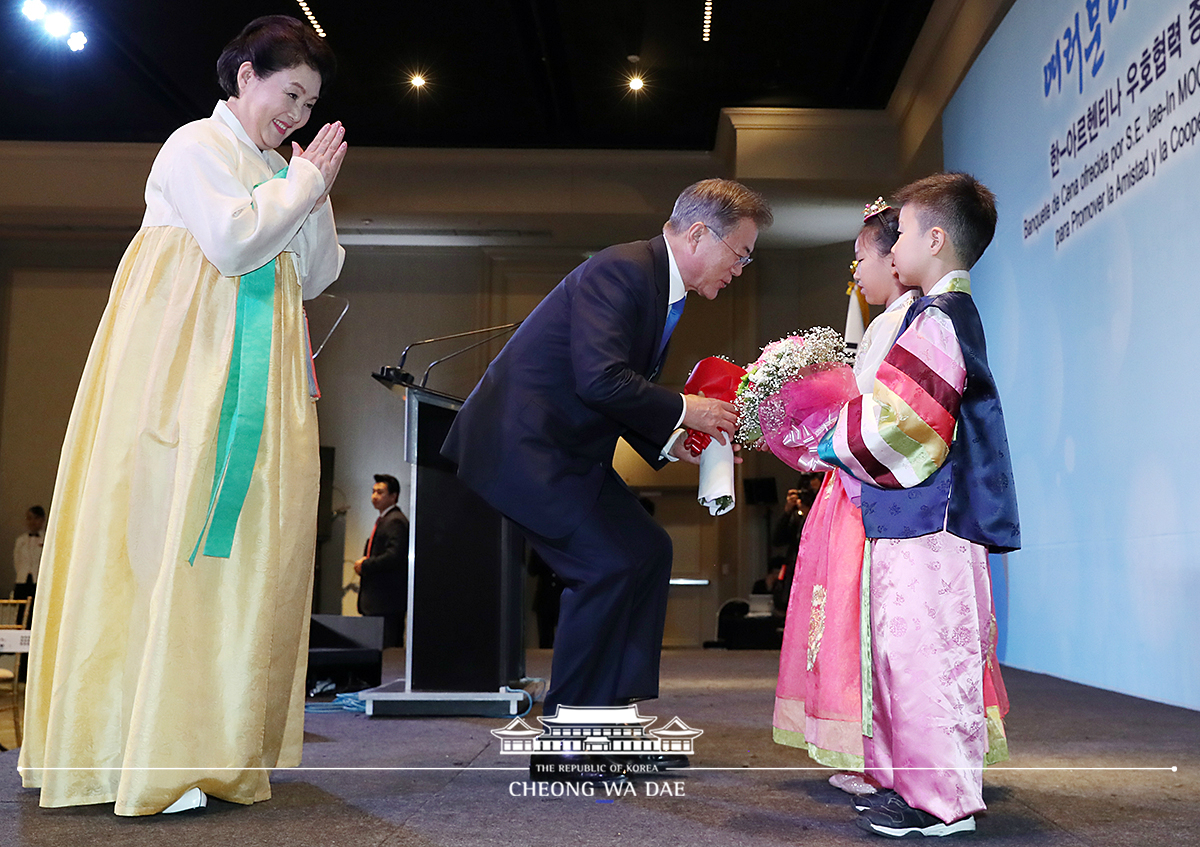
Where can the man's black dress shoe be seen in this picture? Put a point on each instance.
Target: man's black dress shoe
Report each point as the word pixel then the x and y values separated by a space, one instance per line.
pixel 671 761
pixel 575 767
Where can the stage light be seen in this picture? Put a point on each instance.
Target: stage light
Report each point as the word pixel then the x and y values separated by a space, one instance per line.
pixel 57 24
pixel 417 81
pixel 312 19
pixel 636 83
pixel 706 29
pixel 35 10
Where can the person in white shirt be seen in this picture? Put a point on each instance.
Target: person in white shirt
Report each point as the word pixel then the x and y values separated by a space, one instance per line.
pixel 177 573
pixel 27 552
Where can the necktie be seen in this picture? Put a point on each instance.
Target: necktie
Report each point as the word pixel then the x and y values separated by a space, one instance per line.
pixel 672 318
pixel 371 540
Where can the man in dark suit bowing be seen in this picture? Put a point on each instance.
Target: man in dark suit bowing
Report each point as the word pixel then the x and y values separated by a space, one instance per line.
pixel 383 569
pixel 536 437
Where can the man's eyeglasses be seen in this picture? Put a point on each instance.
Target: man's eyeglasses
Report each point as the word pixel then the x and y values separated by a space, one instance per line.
pixel 742 261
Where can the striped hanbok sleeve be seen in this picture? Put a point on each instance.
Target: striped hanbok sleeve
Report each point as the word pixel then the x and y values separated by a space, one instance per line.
pixel 898 435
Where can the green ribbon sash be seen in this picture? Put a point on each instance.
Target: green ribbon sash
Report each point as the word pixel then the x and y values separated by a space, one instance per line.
pixel 243 409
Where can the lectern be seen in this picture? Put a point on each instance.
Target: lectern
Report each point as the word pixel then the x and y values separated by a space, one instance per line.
pixel 464 637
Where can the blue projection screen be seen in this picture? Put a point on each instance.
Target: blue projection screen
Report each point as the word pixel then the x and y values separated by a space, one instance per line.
pixel 1084 117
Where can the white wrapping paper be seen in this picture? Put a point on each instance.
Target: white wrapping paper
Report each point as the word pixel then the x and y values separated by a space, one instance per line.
pixel 716 477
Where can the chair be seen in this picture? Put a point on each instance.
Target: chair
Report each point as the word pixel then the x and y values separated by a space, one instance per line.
pixel 14 615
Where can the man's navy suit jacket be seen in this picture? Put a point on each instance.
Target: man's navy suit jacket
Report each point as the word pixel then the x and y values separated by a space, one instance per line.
pixel 536 436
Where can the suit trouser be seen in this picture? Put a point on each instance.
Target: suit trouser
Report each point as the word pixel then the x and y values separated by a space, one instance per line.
pixel 616 567
pixel 393 630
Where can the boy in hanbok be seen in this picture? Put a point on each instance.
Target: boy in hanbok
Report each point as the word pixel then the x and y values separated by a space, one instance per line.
pixel 929 443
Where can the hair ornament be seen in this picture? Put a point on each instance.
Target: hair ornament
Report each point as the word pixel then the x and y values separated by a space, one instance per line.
pixel 874 208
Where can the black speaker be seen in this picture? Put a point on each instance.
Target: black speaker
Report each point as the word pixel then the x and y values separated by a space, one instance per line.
pixel 345 650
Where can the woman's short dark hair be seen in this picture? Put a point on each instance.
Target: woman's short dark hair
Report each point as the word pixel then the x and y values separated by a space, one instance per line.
pixel 882 230
pixel 274 43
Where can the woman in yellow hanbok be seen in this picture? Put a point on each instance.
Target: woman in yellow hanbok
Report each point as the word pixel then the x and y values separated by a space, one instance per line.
pixel 170 638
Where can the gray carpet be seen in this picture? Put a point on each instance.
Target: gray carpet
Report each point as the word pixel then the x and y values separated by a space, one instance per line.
pixel 446 790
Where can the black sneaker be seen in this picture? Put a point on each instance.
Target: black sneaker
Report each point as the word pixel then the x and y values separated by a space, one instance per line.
pixel 873 801
pixel 896 819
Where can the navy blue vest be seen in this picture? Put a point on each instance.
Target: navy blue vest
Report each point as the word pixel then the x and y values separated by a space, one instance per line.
pixel 972 494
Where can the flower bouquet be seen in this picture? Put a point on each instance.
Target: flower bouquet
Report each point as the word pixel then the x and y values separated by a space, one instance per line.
pixel 717 378
pixel 791 396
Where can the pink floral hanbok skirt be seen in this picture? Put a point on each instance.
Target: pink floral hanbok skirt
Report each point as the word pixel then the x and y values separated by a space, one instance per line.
pixel 818 700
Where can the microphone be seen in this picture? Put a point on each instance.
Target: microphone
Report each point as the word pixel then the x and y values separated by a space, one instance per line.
pixel 396 375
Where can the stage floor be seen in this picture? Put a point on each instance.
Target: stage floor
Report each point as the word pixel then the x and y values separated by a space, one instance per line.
pixel 1088 767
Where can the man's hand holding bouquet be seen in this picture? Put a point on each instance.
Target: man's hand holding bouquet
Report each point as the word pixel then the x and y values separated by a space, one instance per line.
pixel 786 401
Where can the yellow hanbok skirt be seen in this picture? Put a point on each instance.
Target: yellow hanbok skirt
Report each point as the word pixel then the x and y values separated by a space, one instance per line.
pixel 149 675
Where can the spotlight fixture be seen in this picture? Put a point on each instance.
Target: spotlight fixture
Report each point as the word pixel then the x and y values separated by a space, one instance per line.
pixel 706 28
pixel 312 19
pixel 417 81
pixel 57 24
pixel 636 83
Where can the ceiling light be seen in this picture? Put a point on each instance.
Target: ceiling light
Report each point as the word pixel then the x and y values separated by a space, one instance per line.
pixel 706 29
pixel 35 10
pixel 77 41
pixel 636 83
pixel 57 24
pixel 417 81
pixel 312 19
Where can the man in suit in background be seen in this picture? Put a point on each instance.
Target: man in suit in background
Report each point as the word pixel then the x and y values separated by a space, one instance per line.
pixel 383 569
pixel 536 437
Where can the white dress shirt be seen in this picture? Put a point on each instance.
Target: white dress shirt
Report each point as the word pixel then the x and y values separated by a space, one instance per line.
pixel 675 292
pixel 27 555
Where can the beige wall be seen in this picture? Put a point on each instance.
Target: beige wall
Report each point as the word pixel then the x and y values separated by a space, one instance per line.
pixel 51 316
pixel 397 296
pixel 394 298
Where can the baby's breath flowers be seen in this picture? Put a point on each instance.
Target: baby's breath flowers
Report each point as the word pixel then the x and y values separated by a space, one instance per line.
pixel 780 362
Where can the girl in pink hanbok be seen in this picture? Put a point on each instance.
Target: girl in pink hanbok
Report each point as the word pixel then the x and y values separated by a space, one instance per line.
pixel 818 700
